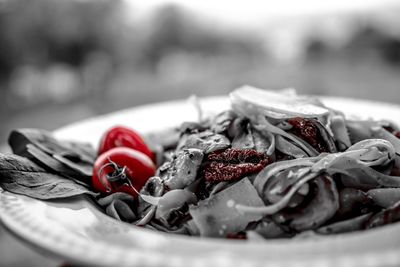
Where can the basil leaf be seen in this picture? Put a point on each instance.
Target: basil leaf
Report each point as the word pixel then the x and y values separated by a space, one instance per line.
pixel 69 159
pixel 46 142
pixel 83 169
pixel 120 206
pixel 22 176
pixel 55 166
pixel 48 161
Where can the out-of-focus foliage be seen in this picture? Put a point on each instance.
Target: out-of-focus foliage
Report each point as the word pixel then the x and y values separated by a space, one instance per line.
pixel 62 50
pixel 64 60
pixel 174 31
pixel 41 32
pixel 367 42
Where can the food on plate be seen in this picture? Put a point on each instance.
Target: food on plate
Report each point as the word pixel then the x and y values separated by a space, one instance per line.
pixel 121 136
pixel 274 165
pixel 121 169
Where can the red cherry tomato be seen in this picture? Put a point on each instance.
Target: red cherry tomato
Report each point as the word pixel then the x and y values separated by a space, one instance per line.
pixel 122 169
pixel 121 136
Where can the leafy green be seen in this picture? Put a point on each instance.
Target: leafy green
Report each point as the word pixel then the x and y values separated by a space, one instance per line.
pixel 216 216
pixel 69 159
pixel 22 176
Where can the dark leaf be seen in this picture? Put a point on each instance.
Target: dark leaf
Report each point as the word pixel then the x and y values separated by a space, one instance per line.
pixel 115 196
pixel 349 225
pixel 83 169
pixel 84 151
pixel 214 217
pixel 153 187
pixel 387 216
pixel 66 158
pixel 353 202
pixel 121 211
pixel 44 159
pixel 18 140
pixel 269 229
pixel 119 205
pixel 55 166
pixel 22 176
pixel 320 209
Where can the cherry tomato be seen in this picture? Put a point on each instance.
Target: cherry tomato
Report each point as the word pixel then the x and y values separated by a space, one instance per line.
pixel 122 169
pixel 121 136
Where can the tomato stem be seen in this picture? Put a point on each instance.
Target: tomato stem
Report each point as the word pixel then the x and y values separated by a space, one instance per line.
pixel 118 174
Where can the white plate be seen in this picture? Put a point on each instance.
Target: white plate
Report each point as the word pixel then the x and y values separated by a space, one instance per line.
pixel 77 231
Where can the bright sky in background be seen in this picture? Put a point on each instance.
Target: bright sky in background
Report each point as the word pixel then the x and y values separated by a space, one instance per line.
pixel 252 12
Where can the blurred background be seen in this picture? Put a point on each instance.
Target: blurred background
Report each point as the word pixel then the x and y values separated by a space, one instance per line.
pixel 63 60
pixel 66 60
